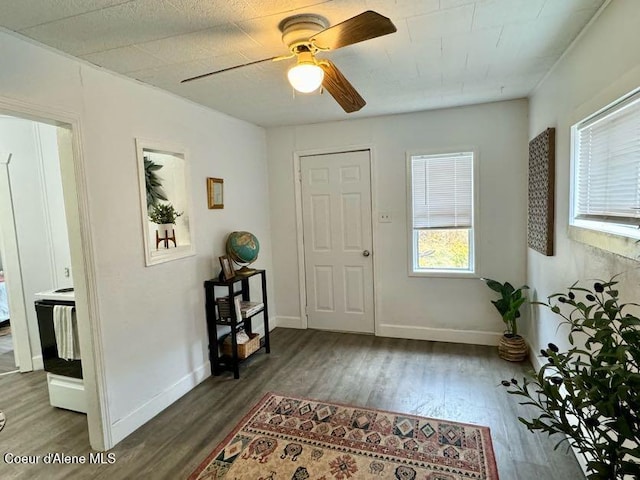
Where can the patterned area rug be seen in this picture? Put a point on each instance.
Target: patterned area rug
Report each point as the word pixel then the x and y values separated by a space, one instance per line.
pixel 286 438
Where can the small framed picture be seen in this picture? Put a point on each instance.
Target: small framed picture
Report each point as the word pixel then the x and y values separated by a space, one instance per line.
pixel 227 267
pixel 215 198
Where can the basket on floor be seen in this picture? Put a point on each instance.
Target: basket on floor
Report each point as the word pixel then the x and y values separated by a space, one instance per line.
pixel 244 349
pixel 512 348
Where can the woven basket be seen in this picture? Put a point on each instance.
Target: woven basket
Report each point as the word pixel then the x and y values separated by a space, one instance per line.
pixel 512 348
pixel 244 349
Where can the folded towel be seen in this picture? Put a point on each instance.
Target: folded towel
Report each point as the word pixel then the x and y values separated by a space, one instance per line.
pixel 66 331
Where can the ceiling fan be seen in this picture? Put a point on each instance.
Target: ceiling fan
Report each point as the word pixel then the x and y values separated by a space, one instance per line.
pixel 307 34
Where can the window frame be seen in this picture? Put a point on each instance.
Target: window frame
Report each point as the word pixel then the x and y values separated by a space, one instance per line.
pixel 473 237
pixel 595 232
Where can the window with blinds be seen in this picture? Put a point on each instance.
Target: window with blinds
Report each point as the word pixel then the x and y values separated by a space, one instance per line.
pixel 607 165
pixel 442 212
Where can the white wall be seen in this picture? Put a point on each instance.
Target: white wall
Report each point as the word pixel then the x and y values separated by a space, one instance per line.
pixel 603 65
pixel 52 189
pixel 430 308
pixel 151 320
pixel 38 206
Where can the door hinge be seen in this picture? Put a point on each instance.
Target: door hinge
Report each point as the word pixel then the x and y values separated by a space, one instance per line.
pixel 300 176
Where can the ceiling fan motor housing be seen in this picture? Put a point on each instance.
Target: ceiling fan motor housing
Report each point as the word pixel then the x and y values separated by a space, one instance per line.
pixel 297 30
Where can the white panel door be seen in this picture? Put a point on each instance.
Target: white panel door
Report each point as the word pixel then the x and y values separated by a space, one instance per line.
pixel 336 217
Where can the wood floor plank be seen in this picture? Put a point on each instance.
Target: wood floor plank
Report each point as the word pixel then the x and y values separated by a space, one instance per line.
pixel 455 382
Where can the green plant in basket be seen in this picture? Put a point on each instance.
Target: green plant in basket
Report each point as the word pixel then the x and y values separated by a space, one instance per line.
pixel 509 303
pixel 591 392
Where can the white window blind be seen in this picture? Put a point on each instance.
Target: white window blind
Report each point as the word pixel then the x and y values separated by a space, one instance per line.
pixel 607 165
pixel 442 191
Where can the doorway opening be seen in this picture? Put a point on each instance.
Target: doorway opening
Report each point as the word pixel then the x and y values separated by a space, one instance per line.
pixel 44 242
pixel 36 253
pixel 7 351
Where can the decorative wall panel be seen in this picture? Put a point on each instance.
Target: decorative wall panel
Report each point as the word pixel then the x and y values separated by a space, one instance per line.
pixel 540 227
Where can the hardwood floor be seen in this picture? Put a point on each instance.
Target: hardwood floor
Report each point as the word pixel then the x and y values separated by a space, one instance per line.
pixel 450 381
pixel 7 360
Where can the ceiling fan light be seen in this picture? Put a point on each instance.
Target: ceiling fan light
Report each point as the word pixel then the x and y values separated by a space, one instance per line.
pixel 305 77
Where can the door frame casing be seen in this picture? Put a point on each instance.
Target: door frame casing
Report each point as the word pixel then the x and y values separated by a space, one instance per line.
pixel 297 180
pixel 86 279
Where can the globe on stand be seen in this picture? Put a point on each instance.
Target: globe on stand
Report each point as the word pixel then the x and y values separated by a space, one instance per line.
pixel 243 249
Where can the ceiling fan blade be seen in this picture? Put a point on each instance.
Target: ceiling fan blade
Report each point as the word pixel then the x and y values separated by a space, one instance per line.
pixel 198 77
pixel 356 29
pixel 340 89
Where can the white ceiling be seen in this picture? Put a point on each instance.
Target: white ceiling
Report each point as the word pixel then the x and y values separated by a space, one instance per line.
pixel 445 52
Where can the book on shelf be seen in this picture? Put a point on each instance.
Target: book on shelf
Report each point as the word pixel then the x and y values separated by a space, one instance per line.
pixel 249 308
pixel 243 308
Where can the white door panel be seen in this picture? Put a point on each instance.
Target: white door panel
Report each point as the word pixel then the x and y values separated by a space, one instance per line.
pixel 336 208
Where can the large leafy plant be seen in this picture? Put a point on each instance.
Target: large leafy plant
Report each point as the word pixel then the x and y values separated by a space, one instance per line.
pixel 591 393
pixel 153 184
pixel 509 303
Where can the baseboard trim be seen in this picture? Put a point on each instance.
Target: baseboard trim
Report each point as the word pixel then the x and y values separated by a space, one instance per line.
pixel 473 337
pixel 123 427
pixel 289 322
pixel 535 359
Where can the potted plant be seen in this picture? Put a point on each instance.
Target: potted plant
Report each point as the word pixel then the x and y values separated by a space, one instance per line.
pixel 590 394
pixel 512 346
pixel 164 215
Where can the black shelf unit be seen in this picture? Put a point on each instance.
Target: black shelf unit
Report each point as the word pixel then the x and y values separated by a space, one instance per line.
pixel 223 362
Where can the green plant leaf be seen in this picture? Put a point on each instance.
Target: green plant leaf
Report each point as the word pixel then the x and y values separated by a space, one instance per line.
pixel 493 285
pixel 153 184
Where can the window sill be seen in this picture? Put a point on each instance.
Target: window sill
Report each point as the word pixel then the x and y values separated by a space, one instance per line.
pixel 443 274
pixel 610 242
pixel 163 255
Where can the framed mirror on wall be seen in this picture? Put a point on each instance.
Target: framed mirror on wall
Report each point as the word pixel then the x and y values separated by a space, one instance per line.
pixel 165 202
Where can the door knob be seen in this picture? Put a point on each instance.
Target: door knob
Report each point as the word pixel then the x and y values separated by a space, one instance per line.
pixel 366 253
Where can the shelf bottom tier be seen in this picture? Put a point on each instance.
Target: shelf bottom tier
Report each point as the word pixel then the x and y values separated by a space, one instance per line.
pixel 226 362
